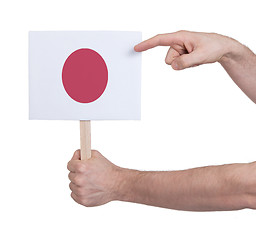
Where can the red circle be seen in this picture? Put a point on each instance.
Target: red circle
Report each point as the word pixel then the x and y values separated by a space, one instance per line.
pixel 85 75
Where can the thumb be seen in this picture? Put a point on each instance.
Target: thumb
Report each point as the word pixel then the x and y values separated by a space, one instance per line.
pixel 76 155
pixel 187 60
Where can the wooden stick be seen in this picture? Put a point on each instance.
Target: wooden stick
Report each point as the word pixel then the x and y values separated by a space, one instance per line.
pixel 85 139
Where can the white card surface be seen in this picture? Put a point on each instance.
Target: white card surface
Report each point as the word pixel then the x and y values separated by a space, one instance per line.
pixel 48 52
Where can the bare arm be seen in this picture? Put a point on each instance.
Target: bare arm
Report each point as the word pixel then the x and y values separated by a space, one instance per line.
pixel 189 49
pixel 226 187
pixel 212 188
pixel 240 64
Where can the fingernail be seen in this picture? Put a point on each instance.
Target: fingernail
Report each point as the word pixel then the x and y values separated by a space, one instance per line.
pixel 175 66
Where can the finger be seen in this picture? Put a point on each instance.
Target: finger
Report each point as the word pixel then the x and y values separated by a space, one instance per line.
pixel 171 55
pixel 95 154
pixel 78 191
pixel 75 189
pixel 159 40
pixel 72 187
pixel 76 179
pixel 76 155
pixel 76 198
pixel 71 166
pixel 71 176
pixel 187 60
pixel 75 166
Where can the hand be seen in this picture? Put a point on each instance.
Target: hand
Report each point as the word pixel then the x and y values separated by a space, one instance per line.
pixel 189 49
pixel 93 182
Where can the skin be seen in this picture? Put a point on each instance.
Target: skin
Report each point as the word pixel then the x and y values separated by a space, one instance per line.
pixel 190 49
pixel 212 188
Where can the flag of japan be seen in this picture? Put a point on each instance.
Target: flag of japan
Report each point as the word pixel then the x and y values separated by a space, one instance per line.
pixel 84 75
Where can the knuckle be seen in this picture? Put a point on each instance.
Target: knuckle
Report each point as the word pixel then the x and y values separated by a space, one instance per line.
pixel 167 61
pixel 76 198
pixel 96 152
pixel 87 202
pixel 158 37
pixel 76 152
pixel 78 180
pixel 80 167
pixel 69 176
pixel 79 192
pixel 68 166
pixel 181 63
pixel 183 34
pixel 182 31
pixel 73 196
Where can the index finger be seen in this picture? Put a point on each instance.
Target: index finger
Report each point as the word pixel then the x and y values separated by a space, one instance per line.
pixel 76 158
pixel 166 39
pixel 73 165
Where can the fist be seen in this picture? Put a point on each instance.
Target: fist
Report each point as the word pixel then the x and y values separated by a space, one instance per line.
pixel 93 182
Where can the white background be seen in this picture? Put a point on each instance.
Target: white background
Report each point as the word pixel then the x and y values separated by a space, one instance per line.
pixel 190 118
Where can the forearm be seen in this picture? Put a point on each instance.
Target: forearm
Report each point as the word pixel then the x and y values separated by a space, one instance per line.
pixel 226 187
pixel 240 63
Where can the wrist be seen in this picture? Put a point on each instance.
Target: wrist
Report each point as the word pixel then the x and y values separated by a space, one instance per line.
pixel 234 51
pixel 125 185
